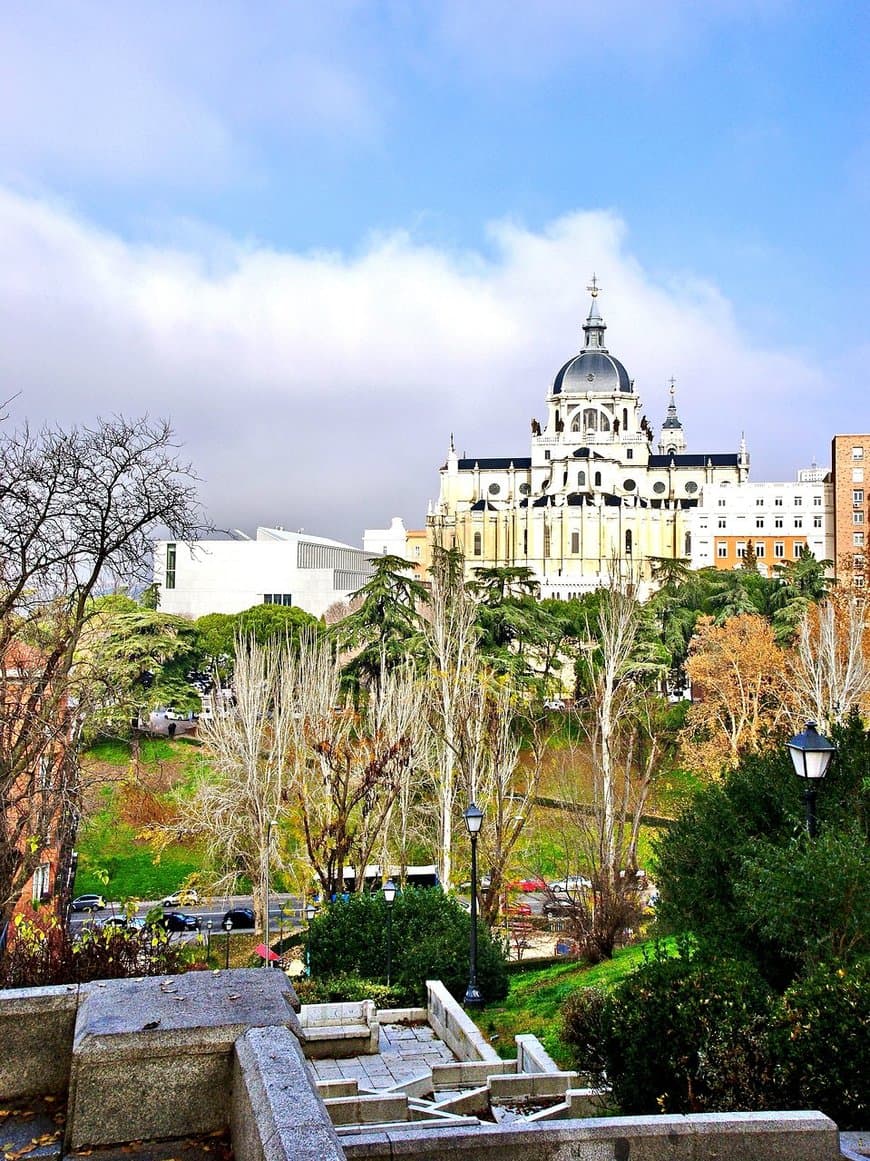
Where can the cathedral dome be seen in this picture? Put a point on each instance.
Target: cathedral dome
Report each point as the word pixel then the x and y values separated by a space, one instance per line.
pixel 594 369
pixel 591 371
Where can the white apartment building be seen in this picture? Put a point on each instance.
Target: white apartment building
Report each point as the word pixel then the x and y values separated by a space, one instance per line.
pixel 779 519
pixel 277 567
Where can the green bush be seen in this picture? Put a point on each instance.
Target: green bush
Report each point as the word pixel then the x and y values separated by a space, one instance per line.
pixel 823 1042
pixel 680 1035
pixel 430 939
pixel 348 989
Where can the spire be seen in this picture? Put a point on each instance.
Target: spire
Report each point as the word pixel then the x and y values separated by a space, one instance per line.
pixel 672 439
pixel 594 325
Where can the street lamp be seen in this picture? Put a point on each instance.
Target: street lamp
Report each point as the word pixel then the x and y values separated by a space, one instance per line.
pixel 273 822
pixel 208 927
pixel 389 897
pixel 310 912
pixel 811 754
pixel 473 820
pixel 228 926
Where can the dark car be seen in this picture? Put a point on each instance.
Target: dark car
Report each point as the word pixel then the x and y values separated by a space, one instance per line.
pixel 239 917
pixel 88 903
pixel 178 921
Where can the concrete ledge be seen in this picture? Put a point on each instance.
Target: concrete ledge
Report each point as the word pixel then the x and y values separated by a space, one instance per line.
pixel 37 1026
pixel 770 1136
pixel 470 1072
pixel 337 1088
pixel 530 1084
pixel 454 1027
pixel 275 1114
pixel 367 1110
pixel 402 1016
pixel 532 1056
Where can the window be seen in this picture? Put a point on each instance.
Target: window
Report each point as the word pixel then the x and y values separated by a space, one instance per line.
pixel 858 539
pixel 857 517
pixel 524 489
pixel 525 542
pixel 722 550
pixel 741 549
pixel 857 475
pixel 798 501
pixel 416 552
pixel 779 550
pixel 628 542
pixel 658 487
pixel 858 582
pixel 817 501
pixel 691 487
pixel 759 503
pixel 797 548
pixel 777 523
pixel 857 453
pixel 598 479
pixel 687 544
pixel 478 544
pixel 857 562
pixel 494 489
pixel 41 882
pixel 722 503
pixel 817 522
pixel 798 521
pixel 629 485
pixel 546 540
pixel 858 496
pixel 760 550
pixel 625 419
pixel 546 455
pixel 575 542
pixel 277 598
pixel 170 565
pixel 759 522
pixel 581 479
pixel 629 453
pixel 777 501
pixel 721 522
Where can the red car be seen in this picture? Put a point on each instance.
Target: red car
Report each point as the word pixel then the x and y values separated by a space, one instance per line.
pixel 517 909
pixel 529 886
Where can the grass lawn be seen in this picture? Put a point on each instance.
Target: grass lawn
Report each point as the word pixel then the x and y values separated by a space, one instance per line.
pixel 535 1000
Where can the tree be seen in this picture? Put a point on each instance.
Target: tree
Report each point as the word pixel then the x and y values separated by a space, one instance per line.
pixel 385 627
pixel 829 671
pixel 738 671
pixel 78 509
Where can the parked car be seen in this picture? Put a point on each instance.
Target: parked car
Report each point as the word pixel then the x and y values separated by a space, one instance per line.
pixel 572 883
pixel 240 917
pixel 123 923
pixel 186 897
pixel 554 703
pixel 529 886
pixel 88 903
pixel 178 921
pixel 559 906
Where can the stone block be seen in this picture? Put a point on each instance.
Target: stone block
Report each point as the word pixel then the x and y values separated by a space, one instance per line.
pixel 368 1110
pixel 152 1057
pixel 276 1113
pixel 36 1031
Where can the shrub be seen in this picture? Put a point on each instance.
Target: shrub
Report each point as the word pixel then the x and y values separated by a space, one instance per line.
pixel 349 988
pixel 430 938
pixel 680 1035
pixel 584 1026
pixel 823 1043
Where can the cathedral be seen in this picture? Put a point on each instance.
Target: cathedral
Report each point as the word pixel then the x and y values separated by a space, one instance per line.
pixel 594 494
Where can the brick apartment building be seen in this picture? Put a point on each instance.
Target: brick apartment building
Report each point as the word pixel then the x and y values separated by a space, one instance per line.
pixel 850 464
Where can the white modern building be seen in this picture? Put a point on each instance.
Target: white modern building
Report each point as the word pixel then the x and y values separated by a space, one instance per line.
pixel 277 567
pixel 778 520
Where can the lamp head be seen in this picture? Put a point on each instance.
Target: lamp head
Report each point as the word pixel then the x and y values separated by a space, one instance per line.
pixel 473 819
pixel 310 911
pixel 811 753
pixel 228 925
pixel 389 892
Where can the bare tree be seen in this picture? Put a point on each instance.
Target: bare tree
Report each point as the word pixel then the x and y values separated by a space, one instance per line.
pixel 77 511
pixel 244 788
pixel 452 636
pixel 829 671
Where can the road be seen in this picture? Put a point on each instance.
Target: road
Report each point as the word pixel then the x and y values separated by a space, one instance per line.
pixel 284 911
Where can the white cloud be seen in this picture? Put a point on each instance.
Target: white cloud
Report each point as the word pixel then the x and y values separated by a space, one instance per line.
pixel 319 389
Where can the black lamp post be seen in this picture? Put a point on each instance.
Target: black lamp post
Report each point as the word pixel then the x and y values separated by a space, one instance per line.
pixel 228 926
pixel 811 754
pixel 389 897
pixel 473 820
pixel 310 912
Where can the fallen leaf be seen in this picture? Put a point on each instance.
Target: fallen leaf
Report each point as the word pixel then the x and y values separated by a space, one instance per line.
pixel 151 1024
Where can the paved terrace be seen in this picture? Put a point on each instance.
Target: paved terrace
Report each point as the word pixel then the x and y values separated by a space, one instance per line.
pixel 404 1052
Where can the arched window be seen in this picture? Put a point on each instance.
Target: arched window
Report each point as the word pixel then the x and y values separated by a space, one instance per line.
pixel 590 419
pixel 688 545
pixel 603 422
pixel 577 422
pixel 628 542
pixel 581 479
pixel 625 419
pixel 525 542
pixel 478 544
pixel 598 479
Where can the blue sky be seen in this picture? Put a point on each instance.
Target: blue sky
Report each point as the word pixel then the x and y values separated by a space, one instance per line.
pixel 324 236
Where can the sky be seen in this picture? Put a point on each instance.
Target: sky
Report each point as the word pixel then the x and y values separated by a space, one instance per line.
pixel 321 238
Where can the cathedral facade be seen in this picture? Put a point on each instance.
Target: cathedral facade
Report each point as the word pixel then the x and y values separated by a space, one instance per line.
pixel 594 494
